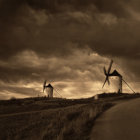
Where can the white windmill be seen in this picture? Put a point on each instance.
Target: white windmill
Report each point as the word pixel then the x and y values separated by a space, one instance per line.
pixel 49 89
pixel 116 74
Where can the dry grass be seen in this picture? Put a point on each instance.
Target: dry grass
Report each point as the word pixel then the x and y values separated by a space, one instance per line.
pixel 56 119
pixel 71 122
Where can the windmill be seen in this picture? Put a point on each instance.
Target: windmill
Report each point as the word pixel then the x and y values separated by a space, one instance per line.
pixel 115 73
pixel 49 89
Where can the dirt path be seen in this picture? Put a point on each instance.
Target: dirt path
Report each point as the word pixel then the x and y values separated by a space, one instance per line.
pixel 121 122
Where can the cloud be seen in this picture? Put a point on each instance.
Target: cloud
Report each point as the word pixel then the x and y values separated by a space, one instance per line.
pixel 80 75
pixel 80 62
pixel 68 40
pixel 35 25
pixel 27 78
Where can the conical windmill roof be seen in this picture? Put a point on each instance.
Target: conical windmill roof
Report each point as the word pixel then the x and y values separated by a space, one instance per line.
pixel 115 73
pixel 49 86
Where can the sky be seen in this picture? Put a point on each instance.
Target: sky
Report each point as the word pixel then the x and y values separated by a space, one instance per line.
pixel 67 43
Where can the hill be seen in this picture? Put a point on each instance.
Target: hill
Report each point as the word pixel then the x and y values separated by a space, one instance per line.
pixel 53 119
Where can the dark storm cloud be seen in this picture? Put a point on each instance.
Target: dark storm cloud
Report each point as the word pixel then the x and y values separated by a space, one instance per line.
pixel 35 24
pixel 61 5
pixel 20 26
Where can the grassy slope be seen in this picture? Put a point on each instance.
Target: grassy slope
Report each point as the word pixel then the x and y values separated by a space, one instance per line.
pixel 55 119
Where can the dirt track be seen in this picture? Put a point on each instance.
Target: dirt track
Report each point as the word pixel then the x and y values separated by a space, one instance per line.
pixel 121 122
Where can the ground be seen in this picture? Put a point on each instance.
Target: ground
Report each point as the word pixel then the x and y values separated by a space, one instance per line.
pixel 54 119
pixel 121 122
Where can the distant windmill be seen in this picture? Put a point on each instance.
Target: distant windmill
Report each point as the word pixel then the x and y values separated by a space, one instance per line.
pixel 49 89
pixel 116 74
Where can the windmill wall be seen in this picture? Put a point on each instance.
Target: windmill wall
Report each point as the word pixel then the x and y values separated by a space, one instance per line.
pixel 120 84
pixel 116 84
pixel 49 92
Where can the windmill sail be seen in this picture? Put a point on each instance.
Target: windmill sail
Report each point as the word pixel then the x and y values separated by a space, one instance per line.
pixel 107 74
pixel 105 71
pixel 109 69
pixel 49 89
pixel 44 85
pixel 58 93
pixel 105 82
pixel 117 74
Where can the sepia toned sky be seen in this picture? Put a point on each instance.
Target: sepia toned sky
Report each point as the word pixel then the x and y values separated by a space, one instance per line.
pixel 67 42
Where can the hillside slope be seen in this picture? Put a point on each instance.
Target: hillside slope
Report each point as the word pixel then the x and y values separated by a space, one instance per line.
pixel 51 119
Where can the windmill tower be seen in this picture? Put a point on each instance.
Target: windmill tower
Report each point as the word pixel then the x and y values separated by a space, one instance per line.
pixel 48 89
pixel 115 73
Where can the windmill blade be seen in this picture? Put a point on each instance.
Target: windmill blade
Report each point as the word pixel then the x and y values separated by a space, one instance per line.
pixel 105 81
pixel 43 89
pixel 44 85
pixel 128 85
pixel 58 89
pixel 58 92
pixel 45 82
pixel 105 71
pixel 108 81
pixel 109 69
